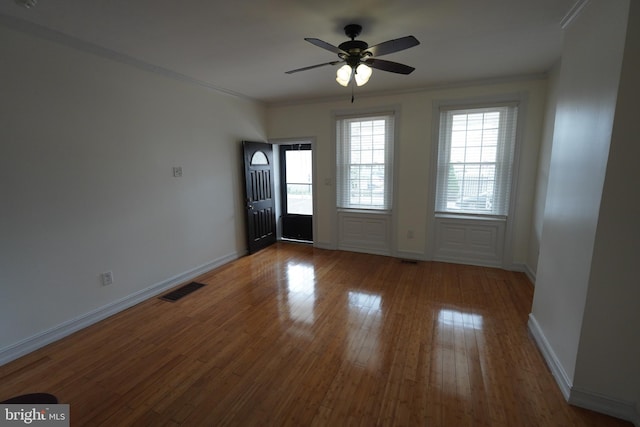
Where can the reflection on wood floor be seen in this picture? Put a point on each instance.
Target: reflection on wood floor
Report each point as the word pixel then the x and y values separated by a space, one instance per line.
pixel 299 336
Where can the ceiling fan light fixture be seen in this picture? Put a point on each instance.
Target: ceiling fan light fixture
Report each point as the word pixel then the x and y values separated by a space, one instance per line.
pixel 343 75
pixel 362 74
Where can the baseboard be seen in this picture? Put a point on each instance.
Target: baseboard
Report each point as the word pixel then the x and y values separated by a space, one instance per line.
pixel 558 372
pixel 467 261
pixel 365 250
pixel 530 274
pixel 414 256
pixel 603 404
pixel 524 268
pixel 64 329
pixel 576 396
pixel 325 245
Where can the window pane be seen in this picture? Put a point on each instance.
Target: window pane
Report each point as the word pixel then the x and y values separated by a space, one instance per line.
pixel 258 159
pixel 366 142
pixel 475 154
pixel 492 120
pixel 459 122
pixel 378 156
pixel 489 154
pixel 298 180
pixel 378 142
pixel 459 138
pixel 366 157
pixel 298 166
pixel 356 157
pixel 362 162
pixel 490 137
pixel 474 138
pixel 299 199
pixel 457 155
pixel 475 121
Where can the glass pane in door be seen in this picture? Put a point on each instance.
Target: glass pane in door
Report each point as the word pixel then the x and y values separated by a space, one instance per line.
pixel 298 180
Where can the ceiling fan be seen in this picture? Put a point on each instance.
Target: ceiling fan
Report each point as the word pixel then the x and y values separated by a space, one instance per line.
pixel 358 57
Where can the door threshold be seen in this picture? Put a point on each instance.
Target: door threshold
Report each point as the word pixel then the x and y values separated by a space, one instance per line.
pixel 288 240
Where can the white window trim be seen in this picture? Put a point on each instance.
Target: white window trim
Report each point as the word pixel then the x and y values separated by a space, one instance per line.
pixel 342 174
pixel 332 181
pixel 519 98
pixel 502 183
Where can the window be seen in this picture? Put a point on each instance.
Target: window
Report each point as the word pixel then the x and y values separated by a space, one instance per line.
pixel 298 195
pixel 364 153
pixel 475 157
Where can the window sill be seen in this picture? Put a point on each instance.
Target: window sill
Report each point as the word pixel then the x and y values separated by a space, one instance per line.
pixel 470 217
pixel 365 211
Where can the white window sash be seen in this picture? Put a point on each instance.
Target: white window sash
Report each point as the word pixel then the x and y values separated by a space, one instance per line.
pixel 345 199
pixel 500 194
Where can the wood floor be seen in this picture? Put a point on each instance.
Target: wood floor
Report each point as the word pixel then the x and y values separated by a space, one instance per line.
pixel 299 336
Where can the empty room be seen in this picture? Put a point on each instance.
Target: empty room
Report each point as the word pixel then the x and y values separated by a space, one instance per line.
pixel 320 213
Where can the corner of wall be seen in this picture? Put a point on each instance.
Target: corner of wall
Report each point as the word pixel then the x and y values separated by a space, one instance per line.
pixel 604 404
pixel 530 272
pixel 559 374
pixel 628 411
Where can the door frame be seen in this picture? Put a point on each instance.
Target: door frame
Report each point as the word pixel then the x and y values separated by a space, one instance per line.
pixel 283 149
pixel 276 142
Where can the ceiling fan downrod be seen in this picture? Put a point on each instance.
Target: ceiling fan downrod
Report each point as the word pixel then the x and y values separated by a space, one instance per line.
pixel 355 50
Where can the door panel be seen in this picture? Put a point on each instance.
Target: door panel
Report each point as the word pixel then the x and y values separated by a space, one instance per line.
pixel 259 197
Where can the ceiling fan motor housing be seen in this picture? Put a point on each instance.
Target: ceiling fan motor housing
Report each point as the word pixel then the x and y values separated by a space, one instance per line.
pixel 355 51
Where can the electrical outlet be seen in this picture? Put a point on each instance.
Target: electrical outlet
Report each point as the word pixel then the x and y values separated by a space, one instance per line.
pixel 410 234
pixel 177 171
pixel 107 278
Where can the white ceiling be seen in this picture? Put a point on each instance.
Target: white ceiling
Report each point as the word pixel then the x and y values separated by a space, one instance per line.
pixel 245 46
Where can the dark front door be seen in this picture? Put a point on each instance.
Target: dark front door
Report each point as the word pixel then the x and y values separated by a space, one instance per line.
pixel 297 191
pixel 259 197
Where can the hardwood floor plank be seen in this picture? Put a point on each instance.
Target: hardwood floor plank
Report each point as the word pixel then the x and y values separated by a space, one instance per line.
pixel 294 335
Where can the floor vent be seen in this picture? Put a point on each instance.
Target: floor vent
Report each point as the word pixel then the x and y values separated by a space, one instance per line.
pixel 182 291
pixel 409 261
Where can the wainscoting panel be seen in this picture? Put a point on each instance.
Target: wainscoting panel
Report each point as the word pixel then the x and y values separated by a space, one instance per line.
pixel 469 240
pixel 364 232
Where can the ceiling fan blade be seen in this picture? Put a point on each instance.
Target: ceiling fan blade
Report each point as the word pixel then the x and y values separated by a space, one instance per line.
pixel 394 45
pixel 393 67
pixel 312 66
pixel 324 45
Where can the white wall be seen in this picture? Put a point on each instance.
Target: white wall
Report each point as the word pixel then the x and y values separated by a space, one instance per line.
pixel 585 311
pixel 584 118
pixel 609 352
pixel 414 150
pixel 86 186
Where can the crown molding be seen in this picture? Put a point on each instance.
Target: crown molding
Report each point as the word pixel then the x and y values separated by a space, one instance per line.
pixel 54 36
pixel 36 30
pixel 420 89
